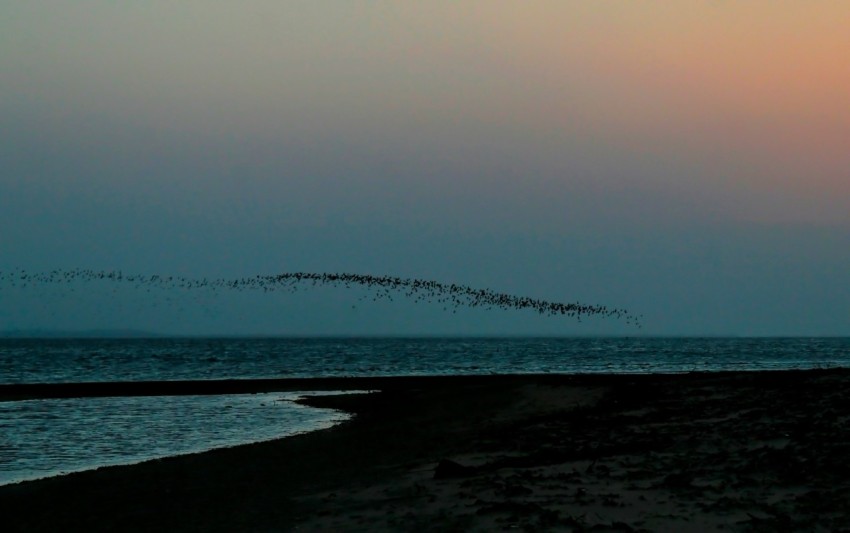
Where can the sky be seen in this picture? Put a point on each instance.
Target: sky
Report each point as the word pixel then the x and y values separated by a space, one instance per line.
pixel 686 160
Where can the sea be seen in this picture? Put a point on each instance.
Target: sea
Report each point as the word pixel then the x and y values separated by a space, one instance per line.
pixel 49 437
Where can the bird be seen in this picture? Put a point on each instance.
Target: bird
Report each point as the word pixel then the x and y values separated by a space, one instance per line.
pixel 451 296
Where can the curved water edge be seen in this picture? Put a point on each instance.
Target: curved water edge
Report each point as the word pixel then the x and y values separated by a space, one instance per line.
pixel 46 438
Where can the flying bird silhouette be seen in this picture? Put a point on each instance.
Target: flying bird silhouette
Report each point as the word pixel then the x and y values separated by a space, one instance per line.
pixel 450 296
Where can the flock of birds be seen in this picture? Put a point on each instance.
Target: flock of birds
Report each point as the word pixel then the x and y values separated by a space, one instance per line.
pixel 381 287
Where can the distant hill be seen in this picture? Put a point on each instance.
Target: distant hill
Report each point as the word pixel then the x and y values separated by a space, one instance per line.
pixel 76 334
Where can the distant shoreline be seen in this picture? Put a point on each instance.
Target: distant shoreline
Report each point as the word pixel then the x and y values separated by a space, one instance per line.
pixel 129 334
pixel 48 334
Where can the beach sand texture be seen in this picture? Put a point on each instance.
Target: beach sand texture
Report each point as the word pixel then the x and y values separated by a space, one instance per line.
pixel 760 451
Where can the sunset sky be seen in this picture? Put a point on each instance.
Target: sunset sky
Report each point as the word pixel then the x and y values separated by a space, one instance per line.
pixel 689 161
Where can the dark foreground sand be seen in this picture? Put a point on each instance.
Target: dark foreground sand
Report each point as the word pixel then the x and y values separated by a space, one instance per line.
pixel 698 452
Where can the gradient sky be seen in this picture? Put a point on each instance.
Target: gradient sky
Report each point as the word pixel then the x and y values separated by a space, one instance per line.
pixel 685 160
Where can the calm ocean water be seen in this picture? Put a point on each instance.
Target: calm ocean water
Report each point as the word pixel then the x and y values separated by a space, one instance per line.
pixel 69 360
pixel 48 437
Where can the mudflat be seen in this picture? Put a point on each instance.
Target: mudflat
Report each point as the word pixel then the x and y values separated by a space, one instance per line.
pixel 747 451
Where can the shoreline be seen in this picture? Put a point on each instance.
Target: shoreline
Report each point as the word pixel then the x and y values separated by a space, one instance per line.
pixel 124 447
pixel 745 451
pixel 182 387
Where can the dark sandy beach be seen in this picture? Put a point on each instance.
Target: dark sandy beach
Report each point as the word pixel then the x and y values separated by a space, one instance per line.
pixel 698 452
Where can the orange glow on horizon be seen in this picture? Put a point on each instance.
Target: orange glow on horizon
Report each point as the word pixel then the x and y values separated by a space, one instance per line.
pixel 766 87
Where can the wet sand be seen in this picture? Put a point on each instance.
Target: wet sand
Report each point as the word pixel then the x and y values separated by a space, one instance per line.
pixel 761 451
